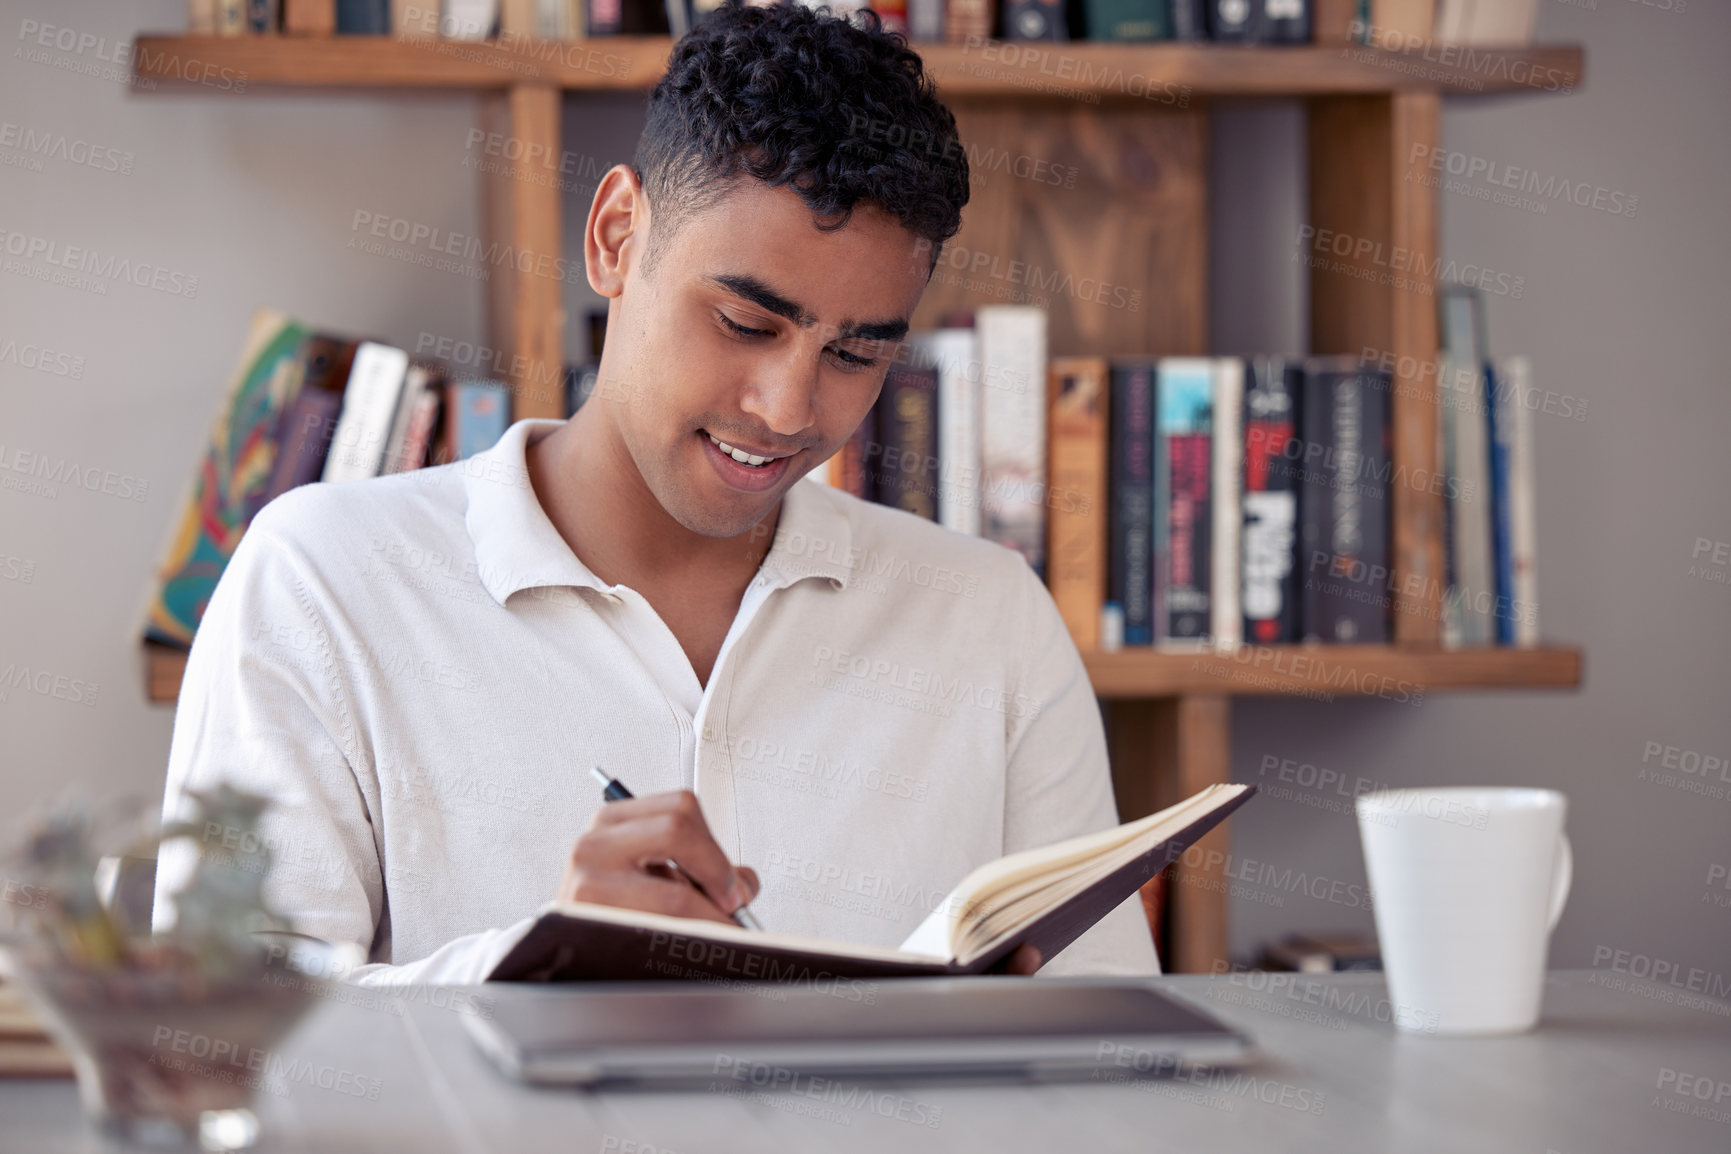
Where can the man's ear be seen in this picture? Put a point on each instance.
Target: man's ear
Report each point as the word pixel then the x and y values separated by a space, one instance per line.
pixel 617 230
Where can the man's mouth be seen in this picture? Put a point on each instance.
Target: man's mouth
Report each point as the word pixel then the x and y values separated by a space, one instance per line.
pixel 751 460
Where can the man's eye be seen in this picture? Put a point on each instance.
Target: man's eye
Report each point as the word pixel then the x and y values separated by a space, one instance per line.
pixel 740 329
pixel 852 360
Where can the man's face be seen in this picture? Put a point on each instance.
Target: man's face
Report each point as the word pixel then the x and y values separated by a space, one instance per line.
pixel 756 330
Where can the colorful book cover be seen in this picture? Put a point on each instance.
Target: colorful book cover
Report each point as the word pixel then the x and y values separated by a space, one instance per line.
pixel 232 482
pixel 482 411
pixel 1185 432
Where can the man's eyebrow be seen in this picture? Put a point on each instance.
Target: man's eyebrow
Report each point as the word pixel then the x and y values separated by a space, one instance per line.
pixel 764 297
pixel 873 330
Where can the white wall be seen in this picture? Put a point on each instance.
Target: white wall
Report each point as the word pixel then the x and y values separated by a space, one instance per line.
pixel 257 195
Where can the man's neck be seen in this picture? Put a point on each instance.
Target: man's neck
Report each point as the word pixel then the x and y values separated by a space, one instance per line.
pixel 591 490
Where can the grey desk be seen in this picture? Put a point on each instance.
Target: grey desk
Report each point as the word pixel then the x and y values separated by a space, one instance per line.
pixel 1616 1067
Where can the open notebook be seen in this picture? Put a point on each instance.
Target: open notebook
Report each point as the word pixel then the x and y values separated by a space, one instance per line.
pixel 1046 897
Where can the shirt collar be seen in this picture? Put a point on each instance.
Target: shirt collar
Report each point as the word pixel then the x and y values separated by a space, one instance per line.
pixel 517 547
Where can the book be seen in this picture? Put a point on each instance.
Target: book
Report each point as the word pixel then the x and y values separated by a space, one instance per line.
pixel 1286 21
pixel 1235 21
pixel 1076 516
pixel 904 472
pixel 1013 428
pixel 229 488
pixel 1269 587
pixel 1226 622
pixel 1189 20
pixel 1508 23
pixel 846 470
pixel 231 17
pixel 363 17
pixel 1397 23
pixel 926 20
pixel 1499 438
pixel 1128 19
pixel 468 19
pixel 954 353
pixel 263 17
pixel 1516 374
pixel 477 414
pixel 1461 395
pixel 303 432
pixel 893 13
pixel 419 380
pixel 1344 502
pixel 1130 565
pixel 1045 898
pixel 369 408
pixel 418 435
pixel 201 17
pixel 969 21
pixel 1183 521
pixel 415 19
pixel 312 17
pixel 1035 20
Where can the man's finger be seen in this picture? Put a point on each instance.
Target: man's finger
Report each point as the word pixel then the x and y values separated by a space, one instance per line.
pixel 659 828
pixel 639 891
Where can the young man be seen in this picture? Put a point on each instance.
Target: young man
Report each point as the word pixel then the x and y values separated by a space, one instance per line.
pixel 421 670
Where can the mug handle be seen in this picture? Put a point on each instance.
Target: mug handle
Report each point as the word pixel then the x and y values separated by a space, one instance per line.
pixel 1561 876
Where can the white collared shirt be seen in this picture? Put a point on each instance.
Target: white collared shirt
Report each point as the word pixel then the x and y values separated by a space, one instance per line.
pixel 419 672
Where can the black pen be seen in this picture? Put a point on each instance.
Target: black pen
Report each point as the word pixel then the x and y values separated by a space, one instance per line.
pixel 614 790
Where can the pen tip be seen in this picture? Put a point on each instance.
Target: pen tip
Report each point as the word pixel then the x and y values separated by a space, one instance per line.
pixel 600 775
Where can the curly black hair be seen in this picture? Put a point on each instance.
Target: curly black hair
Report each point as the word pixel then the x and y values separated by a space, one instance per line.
pixel 835 108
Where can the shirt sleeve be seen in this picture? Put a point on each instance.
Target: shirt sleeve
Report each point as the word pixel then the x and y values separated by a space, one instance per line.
pixel 1059 784
pixel 262 707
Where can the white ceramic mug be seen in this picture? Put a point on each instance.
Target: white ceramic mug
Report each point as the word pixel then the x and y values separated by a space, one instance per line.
pixel 1467 885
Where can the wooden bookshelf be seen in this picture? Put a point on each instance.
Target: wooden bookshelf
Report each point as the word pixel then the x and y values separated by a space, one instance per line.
pixel 998 69
pixel 1132 120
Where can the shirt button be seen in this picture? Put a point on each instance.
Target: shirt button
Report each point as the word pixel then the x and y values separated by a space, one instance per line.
pixel 708 733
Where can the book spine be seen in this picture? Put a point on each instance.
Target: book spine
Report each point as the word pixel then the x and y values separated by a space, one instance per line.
pixel 1461 389
pixel 311 17
pixel 1130 567
pixel 468 19
pixel 605 17
pixel 1076 530
pixel 1345 503
pixel 231 17
pixel 305 438
pixel 1396 22
pixel 1334 21
pixel 480 412
pixel 1286 21
pixel 363 18
pixel 369 406
pixel 263 17
pixel 894 14
pixel 926 20
pixel 1517 373
pixel 1270 535
pixel 1034 20
pixel 1235 21
pixel 969 21
pixel 1226 622
pixel 1502 556
pixel 1129 20
pixel 1013 428
pixel 201 17
pixel 905 471
pixel 1189 20
pixel 1184 431
pixel 418 437
pixel 954 353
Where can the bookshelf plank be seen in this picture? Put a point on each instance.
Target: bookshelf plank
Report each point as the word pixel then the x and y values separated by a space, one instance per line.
pixel 1147 75
pixel 1329 671
pixel 1141 674
pixel 1199 748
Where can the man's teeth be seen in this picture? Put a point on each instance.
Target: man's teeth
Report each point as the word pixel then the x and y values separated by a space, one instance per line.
pixel 740 455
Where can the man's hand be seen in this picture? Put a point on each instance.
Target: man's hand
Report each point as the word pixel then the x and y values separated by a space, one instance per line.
pixel 620 861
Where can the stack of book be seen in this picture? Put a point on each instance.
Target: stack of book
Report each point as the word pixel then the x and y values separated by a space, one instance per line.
pixel 307 406
pixel 1385 23
pixel 1209 502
